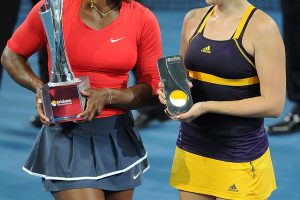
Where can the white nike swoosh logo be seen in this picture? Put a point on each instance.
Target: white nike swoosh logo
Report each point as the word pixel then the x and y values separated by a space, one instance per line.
pixel 135 176
pixel 116 40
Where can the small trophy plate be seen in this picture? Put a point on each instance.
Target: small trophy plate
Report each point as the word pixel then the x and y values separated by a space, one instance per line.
pixel 173 76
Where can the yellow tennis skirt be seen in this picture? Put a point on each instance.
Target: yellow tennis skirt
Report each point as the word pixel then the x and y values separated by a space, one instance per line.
pixel 253 180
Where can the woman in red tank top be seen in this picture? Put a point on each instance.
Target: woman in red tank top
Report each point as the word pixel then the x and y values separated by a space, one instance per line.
pixel 102 157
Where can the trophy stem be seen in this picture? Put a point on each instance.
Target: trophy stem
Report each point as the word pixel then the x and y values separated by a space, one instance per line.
pixel 51 15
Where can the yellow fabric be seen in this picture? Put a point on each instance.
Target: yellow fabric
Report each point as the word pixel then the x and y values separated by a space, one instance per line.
pixel 236 181
pixel 243 22
pixel 222 81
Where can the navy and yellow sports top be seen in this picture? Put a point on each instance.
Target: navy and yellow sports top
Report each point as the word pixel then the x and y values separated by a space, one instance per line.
pixel 223 71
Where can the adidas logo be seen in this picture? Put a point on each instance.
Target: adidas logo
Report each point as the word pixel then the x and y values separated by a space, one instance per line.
pixel 206 49
pixel 233 188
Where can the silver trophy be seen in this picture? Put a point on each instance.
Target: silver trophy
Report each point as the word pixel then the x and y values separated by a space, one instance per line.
pixel 62 100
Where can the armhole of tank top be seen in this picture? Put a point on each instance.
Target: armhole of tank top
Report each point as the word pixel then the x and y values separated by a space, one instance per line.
pixel 239 40
pixel 196 31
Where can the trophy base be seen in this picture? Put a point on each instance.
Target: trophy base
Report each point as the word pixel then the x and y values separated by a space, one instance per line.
pixel 62 102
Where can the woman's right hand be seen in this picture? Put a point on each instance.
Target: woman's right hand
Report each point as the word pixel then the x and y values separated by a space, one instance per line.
pixel 39 108
pixel 162 98
pixel 161 94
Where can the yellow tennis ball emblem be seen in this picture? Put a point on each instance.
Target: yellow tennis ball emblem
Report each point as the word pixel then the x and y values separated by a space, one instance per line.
pixel 54 103
pixel 178 98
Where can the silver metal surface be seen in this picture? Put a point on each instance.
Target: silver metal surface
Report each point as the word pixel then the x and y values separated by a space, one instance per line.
pixel 51 15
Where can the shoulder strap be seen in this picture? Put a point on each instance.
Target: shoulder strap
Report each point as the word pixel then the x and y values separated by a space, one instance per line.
pixel 203 22
pixel 244 22
pixel 205 19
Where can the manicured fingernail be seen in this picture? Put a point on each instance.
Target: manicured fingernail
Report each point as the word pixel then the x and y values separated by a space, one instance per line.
pixel 39 101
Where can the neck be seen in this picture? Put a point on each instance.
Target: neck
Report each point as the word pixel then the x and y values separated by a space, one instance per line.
pixel 231 7
pixel 103 4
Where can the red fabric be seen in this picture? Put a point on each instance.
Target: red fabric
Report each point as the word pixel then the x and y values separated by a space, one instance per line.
pixel 105 55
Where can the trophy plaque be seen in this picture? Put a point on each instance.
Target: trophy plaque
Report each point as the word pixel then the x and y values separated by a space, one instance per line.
pixel 62 100
pixel 173 76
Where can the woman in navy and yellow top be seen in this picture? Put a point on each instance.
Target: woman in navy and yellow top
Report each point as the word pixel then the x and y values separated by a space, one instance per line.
pixel 235 59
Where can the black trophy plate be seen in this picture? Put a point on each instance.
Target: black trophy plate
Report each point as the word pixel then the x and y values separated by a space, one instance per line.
pixel 173 76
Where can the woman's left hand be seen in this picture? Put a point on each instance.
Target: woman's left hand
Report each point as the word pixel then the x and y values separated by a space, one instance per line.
pixel 96 100
pixel 196 110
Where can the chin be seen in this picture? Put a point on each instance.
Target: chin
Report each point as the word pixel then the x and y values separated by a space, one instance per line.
pixel 212 2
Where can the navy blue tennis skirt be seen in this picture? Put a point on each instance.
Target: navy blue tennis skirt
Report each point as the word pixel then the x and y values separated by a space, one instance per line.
pixel 106 153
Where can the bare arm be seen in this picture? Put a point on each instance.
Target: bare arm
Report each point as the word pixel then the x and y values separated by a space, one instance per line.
pixel 134 97
pixel 18 68
pixel 270 63
pixel 26 40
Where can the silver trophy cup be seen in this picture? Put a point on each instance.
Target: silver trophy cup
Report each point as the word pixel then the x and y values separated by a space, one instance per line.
pixel 62 100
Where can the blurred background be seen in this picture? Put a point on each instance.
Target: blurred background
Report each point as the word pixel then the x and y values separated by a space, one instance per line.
pixel 17 133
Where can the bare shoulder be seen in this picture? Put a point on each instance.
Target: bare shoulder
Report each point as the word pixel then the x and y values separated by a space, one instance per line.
pixel 262 24
pixel 192 19
pixel 197 12
pixel 194 16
